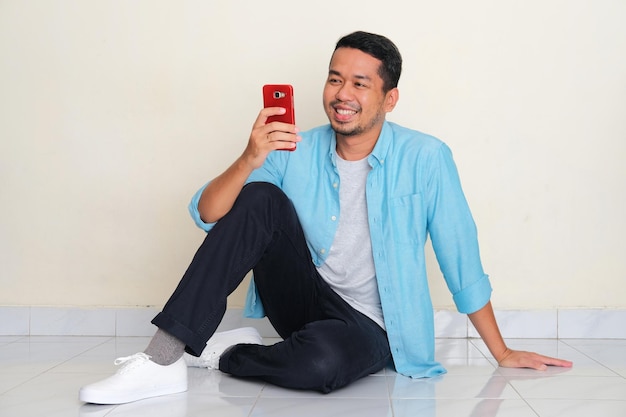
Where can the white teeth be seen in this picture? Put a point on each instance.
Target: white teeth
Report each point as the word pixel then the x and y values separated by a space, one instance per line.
pixel 345 112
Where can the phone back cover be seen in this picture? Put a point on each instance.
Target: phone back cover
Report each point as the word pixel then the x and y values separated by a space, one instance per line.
pixel 284 99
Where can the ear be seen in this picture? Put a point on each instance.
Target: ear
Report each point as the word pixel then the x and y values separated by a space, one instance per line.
pixel 391 99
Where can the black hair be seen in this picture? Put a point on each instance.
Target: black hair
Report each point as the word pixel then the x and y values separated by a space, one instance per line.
pixel 380 48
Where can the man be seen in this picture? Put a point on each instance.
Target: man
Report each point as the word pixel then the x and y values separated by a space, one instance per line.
pixel 334 233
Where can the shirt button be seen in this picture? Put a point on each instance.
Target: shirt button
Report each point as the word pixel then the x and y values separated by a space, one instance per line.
pixel 335 185
pixel 333 218
pixel 322 251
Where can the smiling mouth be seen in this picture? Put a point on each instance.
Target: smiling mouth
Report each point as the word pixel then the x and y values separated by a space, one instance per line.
pixel 344 114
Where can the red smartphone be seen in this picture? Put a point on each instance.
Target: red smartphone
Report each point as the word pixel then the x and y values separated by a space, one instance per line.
pixel 280 95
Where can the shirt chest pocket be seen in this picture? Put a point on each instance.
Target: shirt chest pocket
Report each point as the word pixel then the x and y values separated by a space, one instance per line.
pixel 407 220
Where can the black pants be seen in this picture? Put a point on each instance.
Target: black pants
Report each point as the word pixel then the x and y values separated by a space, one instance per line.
pixel 327 343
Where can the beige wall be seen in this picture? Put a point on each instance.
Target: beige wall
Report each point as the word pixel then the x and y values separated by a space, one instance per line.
pixel 112 113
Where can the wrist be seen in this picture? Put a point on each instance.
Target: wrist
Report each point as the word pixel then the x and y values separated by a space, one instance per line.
pixel 502 355
pixel 246 164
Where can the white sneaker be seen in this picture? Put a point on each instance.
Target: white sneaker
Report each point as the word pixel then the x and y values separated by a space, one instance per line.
pixel 219 342
pixel 175 405
pixel 138 378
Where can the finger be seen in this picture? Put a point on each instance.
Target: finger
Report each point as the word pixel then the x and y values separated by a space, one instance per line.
pixel 283 140
pixel 536 364
pixel 282 127
pixel 542 362
pixel 275 131
pixel 556 362
pixel 267 112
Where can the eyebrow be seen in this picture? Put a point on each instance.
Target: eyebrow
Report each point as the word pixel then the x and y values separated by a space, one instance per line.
pixel 359 77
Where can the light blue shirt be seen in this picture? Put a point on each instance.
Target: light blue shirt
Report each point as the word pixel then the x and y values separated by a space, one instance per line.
pixel 413 191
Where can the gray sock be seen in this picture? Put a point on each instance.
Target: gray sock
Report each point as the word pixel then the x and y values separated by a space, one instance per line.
pixel 164 348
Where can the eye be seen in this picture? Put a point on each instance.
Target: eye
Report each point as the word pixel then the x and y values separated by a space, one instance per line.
pixel 334 81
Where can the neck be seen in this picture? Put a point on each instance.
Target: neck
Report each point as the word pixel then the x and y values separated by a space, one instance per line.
pixel 355 148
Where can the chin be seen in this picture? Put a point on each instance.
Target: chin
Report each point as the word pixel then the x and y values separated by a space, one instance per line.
pixel 343 129
pixel 343 132
pixel 346 132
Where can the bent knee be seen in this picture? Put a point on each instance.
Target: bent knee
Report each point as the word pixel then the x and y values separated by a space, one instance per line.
pixel 329 365
pixel 257 190
pixel 325 373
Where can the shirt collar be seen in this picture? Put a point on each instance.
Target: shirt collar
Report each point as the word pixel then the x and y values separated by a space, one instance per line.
pixel 381 149
pixel 379 153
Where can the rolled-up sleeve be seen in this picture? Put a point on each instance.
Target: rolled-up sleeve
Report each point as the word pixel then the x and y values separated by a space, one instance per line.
pixel 195 214
pixel 266 173
pixel 454 236
pixel 474 297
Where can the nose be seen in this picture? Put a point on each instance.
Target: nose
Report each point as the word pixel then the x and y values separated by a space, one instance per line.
pixel 344 93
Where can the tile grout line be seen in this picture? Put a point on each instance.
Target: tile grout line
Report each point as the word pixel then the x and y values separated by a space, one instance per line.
pixel 508 382
pixel 48 369
pixel 589 357
pixel 257 399
pixel 389 393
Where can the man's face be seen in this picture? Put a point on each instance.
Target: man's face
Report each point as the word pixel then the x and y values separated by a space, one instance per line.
pixel 353 94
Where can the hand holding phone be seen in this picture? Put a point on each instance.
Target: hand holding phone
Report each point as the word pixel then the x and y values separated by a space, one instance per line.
pixel 280 95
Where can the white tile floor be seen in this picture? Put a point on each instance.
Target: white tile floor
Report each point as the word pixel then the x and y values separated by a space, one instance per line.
pixel 40 376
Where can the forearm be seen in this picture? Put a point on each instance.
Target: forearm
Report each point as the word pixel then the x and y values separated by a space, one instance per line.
pixel 219 196
pixel 485 323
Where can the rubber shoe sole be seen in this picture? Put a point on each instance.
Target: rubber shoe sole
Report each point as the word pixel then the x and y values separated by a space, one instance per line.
pixel 137 381
pixel 218 344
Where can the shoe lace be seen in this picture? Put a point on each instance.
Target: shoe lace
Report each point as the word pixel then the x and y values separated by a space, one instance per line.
pixel 212 360
pixel 131 362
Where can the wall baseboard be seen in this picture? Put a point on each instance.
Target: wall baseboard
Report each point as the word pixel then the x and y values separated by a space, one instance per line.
pixel 531 324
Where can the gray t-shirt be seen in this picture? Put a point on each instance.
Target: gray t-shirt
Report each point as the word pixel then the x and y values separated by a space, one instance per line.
pixel 349 267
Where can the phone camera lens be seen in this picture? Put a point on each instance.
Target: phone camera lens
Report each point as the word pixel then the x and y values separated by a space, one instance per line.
pixel 277 94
